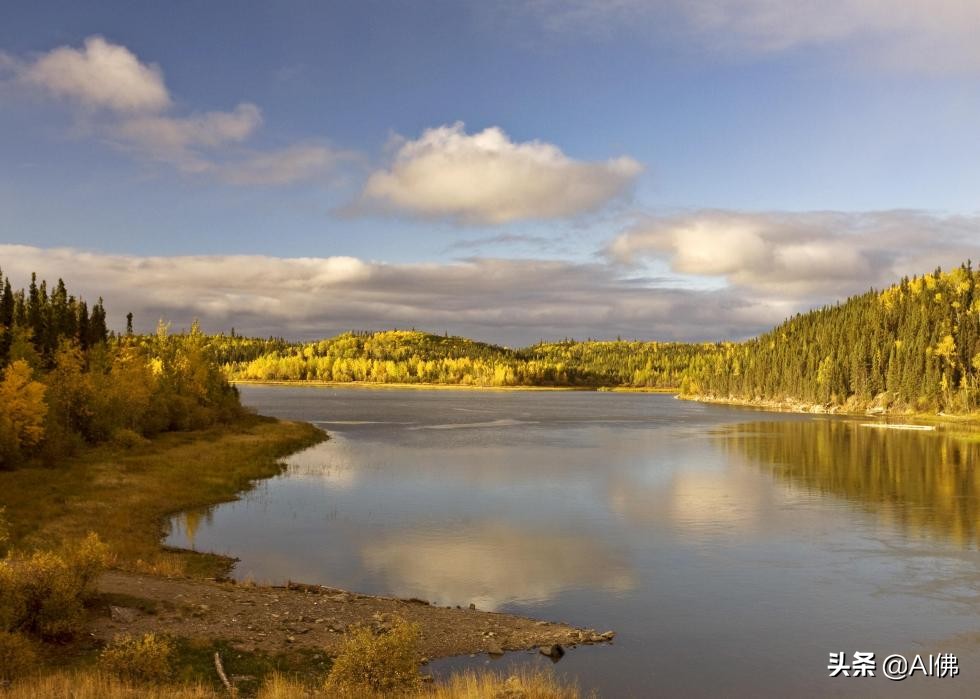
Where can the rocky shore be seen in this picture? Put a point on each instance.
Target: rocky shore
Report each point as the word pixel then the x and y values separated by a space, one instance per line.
pixel 310 617
pixel 787 405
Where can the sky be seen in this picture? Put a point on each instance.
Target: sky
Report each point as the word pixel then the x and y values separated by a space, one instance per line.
pixel 511 171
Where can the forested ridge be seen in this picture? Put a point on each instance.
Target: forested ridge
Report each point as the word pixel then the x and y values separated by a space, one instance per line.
pixel 66 381
pixel 409 356
pixel 914 346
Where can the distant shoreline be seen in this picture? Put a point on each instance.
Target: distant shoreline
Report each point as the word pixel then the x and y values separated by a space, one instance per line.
pixel 452 387
pixel 970 420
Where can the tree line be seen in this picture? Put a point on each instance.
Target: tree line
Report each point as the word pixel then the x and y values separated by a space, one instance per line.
pixel 914 346
pixel 66 381
pixel 413 357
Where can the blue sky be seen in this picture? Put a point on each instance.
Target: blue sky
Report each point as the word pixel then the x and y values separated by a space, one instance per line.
pixel 747 158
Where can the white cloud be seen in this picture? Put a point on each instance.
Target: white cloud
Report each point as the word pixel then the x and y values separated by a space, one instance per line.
pixel 209 129
pixel 918 35
pixel 177 139
pixel 99 75
pixel 510 301
pixel 727 275
pixel 815 256
pixel 485 178
pixel 107 76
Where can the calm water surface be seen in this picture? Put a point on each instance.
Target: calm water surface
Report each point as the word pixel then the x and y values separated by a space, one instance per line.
pixel 731 550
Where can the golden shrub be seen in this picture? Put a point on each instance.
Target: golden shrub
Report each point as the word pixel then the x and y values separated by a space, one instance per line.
pixel 377 662
pixel 146 658
pixel 127 439
pixel 44 593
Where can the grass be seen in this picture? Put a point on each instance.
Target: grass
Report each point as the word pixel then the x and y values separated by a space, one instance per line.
pixel 467 685
pixel 126 495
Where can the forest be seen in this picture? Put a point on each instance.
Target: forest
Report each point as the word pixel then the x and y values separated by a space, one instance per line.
pixel 413 357
pixel 913 347
pixel 66 381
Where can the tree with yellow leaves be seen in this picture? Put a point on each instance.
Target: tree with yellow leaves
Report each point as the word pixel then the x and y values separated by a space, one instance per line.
pixel 22 412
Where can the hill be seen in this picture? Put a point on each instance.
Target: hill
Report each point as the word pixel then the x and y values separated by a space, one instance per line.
pixel 914 346
pixel 403 356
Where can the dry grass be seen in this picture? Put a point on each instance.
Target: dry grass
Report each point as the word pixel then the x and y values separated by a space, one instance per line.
pixel 166 564
pixel 95 685
pixel 532 684
pixel 528 684
pixel 126 494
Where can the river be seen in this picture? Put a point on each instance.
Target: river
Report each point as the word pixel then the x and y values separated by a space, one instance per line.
pixel 731 550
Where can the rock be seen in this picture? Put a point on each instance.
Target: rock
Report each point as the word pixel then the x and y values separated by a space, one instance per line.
pixel 124 615
pixel 554 651
pixel 607 635
pixel 493 648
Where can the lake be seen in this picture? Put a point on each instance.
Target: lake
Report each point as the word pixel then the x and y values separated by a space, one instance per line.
pixel 731 550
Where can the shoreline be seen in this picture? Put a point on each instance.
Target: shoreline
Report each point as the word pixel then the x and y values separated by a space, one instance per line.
pixel 885 417
pixel 295 617
pixel 367 385
pixel 185 594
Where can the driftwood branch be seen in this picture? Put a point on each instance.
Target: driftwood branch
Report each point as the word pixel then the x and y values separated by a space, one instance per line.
pixel 222 676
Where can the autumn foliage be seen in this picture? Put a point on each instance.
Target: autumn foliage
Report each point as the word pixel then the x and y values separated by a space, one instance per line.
pixel 65 381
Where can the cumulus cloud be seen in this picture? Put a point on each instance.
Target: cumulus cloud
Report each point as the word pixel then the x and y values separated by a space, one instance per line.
pixel 813 256
pixel 485 178
pixel 921 35
pixel 510 301
pixel 99 75
pixel 111 78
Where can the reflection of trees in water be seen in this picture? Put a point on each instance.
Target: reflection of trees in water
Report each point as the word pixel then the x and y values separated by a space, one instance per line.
pixel 926 483
pixel 189 522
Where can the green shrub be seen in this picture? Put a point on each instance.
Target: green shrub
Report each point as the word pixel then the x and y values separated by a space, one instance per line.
pixel 17 656
pixel 370 662
pixel 146 658
pixel 44 593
